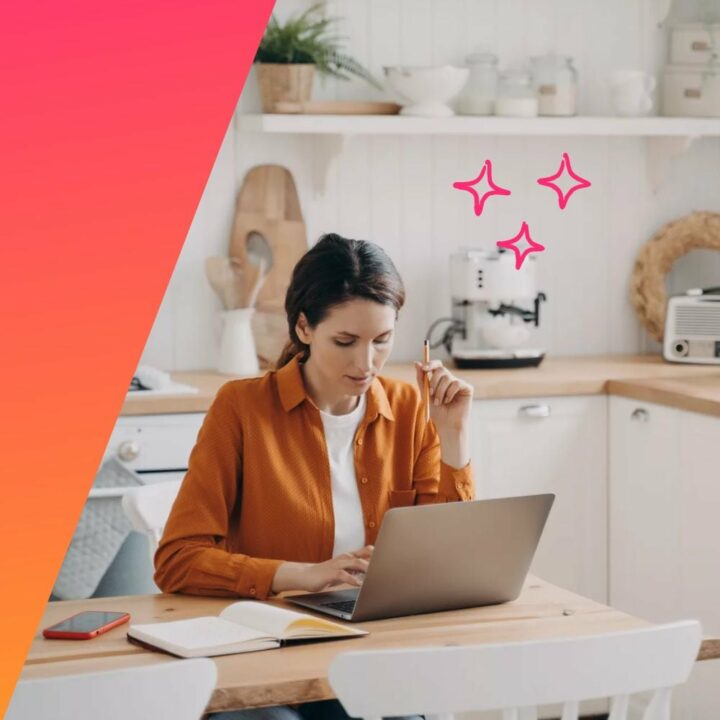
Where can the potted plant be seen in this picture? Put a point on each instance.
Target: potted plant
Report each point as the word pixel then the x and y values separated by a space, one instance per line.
pixel 290 54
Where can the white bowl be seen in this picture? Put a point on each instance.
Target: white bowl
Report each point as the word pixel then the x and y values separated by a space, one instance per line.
pixel 427 89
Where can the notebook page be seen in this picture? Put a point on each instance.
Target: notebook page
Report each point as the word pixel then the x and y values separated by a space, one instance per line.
pixel 277 622
pixel 266 617
pixel 197 633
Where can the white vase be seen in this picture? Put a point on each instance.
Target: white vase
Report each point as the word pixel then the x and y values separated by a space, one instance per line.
pixel 237 347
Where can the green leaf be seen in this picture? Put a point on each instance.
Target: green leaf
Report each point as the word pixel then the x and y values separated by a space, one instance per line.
pixel 310 37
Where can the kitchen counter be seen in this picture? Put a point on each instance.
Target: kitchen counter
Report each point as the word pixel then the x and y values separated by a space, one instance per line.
pixel 642 377
pixel 699 394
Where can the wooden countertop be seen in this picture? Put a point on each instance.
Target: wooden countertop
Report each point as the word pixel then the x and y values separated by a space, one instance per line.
pixel 643 377
pixel 698 394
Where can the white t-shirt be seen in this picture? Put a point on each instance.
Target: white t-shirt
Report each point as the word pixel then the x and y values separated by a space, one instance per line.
pixel 339 434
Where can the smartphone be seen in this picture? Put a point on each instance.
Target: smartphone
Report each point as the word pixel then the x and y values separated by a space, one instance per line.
pixel 85 625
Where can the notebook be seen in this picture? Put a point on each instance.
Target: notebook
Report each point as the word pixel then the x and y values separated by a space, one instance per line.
pixel 245 626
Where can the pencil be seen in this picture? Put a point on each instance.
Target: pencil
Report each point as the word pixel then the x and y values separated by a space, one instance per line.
pixel 426 382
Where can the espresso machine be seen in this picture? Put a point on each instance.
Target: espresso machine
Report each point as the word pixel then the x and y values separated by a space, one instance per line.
pixel 491 321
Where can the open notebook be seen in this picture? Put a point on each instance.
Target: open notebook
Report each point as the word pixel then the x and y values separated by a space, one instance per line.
pixel 244 626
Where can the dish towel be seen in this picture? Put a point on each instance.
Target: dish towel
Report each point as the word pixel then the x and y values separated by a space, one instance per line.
pixel 100 532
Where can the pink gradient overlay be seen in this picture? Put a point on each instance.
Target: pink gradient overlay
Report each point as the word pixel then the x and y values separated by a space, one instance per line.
pixel 112 116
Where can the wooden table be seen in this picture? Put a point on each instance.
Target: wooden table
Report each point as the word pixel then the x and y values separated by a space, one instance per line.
pixel 298 673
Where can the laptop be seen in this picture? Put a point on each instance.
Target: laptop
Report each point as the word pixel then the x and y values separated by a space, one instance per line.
pixel 429 558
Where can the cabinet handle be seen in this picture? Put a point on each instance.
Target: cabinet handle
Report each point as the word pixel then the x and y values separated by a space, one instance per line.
pixel 640 415
pixel 128 450
pixel 535 411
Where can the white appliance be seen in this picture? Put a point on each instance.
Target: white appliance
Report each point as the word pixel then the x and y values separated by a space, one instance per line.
pixel 692 327
pixel 489 327
pixel 157 447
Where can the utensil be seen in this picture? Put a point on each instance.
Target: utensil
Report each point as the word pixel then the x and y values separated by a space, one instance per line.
pixel 227 279
pixel 254 279
pixel 269 224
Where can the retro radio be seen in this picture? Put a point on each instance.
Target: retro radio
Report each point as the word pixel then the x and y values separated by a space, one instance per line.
pixel 692 327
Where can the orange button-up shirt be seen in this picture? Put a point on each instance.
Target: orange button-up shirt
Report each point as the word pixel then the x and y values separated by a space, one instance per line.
pixel 258 489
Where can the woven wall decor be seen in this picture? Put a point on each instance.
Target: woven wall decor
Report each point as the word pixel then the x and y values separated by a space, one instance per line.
pixel 697 231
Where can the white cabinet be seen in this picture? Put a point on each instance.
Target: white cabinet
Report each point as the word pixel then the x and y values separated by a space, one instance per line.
pixel 558 445
pixel 157 447
pixel 664 546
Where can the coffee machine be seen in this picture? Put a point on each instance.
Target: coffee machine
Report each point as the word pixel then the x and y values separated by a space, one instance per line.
pixel 490 317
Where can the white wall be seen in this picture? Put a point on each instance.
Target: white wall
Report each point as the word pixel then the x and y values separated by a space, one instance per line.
pixel 398 191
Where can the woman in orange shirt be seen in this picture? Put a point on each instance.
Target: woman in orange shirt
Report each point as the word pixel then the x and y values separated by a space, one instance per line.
pixel 292 472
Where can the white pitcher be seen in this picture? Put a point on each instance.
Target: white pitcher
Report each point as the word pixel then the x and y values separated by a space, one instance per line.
pixel 237 347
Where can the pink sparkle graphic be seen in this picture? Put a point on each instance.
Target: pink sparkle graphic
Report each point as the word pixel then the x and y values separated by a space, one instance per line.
pixel 565 166
pixel 479 201
pixel 520 255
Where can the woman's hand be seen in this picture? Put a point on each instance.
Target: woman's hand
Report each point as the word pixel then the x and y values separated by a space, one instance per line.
pixel 450 397
pixel 315 577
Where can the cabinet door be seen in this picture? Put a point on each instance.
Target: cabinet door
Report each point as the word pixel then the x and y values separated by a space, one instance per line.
pixel 558 445
pixel 644 522
pixel 698 579
pixel 664 551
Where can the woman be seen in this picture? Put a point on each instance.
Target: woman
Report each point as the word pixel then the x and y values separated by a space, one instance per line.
pixel 292 472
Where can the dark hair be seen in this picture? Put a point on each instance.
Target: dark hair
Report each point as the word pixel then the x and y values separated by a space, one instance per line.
pixel 332 272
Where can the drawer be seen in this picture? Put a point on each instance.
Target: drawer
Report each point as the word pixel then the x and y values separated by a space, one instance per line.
pixel 532 409
pixel 695 43
pixel 154 442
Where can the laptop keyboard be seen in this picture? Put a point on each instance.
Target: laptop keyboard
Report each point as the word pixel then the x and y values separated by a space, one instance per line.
pixel 346 606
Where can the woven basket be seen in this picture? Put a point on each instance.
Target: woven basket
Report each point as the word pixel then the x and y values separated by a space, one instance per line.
pixel 284 83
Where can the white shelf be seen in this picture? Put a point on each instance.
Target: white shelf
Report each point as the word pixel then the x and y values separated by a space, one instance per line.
pixel 666 137
pixel 475 125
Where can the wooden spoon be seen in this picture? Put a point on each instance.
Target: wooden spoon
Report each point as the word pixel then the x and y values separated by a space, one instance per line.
pixel 254 278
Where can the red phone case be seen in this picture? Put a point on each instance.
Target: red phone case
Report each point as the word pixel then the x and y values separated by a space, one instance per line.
pixel 73 635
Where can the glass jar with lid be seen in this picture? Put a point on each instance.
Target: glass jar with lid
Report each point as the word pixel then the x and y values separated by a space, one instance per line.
pixel 516 96
pixel 478 97
pixel 555 80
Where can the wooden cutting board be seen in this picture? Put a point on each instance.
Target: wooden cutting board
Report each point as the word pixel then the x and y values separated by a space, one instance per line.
pixel 268 204
pixel 338 107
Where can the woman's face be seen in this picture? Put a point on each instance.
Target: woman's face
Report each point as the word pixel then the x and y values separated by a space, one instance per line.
pixel 350 346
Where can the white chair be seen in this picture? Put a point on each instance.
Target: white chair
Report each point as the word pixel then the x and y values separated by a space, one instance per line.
pixel 175 689
pixel 148 506
pixel 517 677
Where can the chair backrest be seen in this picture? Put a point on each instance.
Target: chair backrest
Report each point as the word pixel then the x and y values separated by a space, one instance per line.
pixel 147 507
pixel 175 689
pixel 516 677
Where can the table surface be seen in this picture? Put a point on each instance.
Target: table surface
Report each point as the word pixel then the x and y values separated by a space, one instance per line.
pixel 298 673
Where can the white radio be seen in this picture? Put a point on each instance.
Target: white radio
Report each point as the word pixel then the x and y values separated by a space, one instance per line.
pixel 692 327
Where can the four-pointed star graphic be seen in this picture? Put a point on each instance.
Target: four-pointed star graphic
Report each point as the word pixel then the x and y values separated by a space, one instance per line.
pixel 512 244
pixel 565 167
pixel 549 181
pixel 479 200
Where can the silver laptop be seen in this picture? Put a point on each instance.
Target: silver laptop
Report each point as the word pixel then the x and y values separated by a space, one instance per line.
pixel 429 558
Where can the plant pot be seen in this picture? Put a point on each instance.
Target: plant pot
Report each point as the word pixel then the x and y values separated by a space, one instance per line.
pixel 284 83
